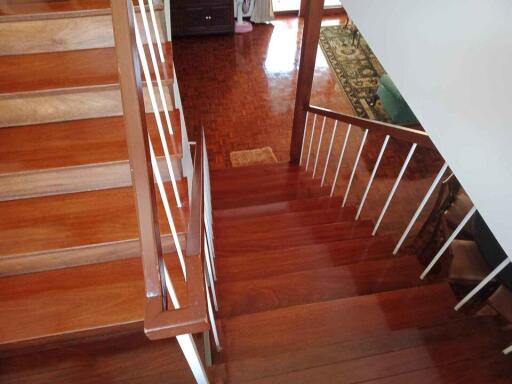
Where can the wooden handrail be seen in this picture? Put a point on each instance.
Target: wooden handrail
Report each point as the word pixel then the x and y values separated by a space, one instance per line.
pixel 314 10
pixel 160 321
pixel 138 147
pixel 401 133
pixel 194 317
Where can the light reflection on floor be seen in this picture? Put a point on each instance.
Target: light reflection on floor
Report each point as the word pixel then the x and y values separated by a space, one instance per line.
pixel 283 50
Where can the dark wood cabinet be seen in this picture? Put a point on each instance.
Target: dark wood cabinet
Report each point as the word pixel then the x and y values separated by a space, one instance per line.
pixel 200 17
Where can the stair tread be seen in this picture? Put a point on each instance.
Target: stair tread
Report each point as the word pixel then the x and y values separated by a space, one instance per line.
pixel 263 195
pixel 116 359
pixel 232 227
pixel 371 356
pixel 254 171
pixel 336 321
pixel 317 285
pixel 67 70
pixel 78 142
pixel 78 219
pixel 44 7
pixel 262 264
pixel 487 369
pixel 86 299
pixel 226 187
pixel 284 238
pixel 279 207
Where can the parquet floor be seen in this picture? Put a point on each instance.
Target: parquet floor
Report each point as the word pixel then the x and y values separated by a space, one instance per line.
pixel 241 89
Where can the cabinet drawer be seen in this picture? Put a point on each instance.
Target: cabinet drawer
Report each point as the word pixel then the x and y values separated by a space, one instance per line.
pixel 199 18
pixel 220 16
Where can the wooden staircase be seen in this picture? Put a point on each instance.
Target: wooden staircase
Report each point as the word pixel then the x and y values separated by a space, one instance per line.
pixel 72 291
pixel 306 294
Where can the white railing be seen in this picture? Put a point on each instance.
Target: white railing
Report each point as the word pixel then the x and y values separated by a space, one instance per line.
pixel 164 104
pixel 211 275
pixel 307 151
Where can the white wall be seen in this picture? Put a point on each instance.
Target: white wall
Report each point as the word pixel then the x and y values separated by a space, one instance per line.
pixel 452 61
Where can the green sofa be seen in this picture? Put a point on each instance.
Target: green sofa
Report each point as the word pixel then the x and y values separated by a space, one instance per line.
pixel 394 103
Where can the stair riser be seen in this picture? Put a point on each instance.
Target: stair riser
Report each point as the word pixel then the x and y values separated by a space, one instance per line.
pixel 225 228
pixel 296 237
pixel 251 369
pixel 277 208
pixel 62 105
pixel 72 257
pixel 318 285
pixel 62 34
pixel 337 321
pixel 23 185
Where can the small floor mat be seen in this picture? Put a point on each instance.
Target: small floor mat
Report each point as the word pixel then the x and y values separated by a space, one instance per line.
pixel 252 157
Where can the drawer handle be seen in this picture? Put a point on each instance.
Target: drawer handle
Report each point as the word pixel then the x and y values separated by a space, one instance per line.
pixel 208 17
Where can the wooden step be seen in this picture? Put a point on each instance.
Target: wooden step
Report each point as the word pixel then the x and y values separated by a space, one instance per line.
pixel 249 172
pixel 75 156
pixel 238 266
pixel 96 299
pixel 317 285
pixel 380 357
pixel 280 207
pixel 235 227
pixel 120 359
pixel 49 26
pixel 226 187
pixel 484 369
pixel 265 196
pixel 80 228
pixel 61 86
pixel 337 321
pixel 292 237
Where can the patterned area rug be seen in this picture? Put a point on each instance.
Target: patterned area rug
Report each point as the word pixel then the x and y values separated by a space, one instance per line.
pixel 252 157
pixel 357 70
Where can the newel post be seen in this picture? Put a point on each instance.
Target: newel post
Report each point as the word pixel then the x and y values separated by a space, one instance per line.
pixel 310 36
pixel 138 147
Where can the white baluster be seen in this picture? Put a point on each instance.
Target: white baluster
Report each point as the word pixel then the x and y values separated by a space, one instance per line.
pixel 188 346
pixel 156 68
pixel 208 194
pixel 186 342
pixel 211 316
pixel 311 142
pixel 211 250
pixel 207 349
pixel 170 287
pixel 354 168
pixel 395 186
pixel 209 269
pixel 420 208
pixel 319 146
pixel 342 154
pixel 167 208
pixel 374 172
pixel 329 152
pixel 448 242
pixel 147 77
pixel 483 283
pixel 157 31
pixel 304 138
pixel 507 350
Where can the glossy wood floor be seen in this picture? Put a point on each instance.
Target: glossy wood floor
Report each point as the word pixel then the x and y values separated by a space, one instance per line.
pixel 307 295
